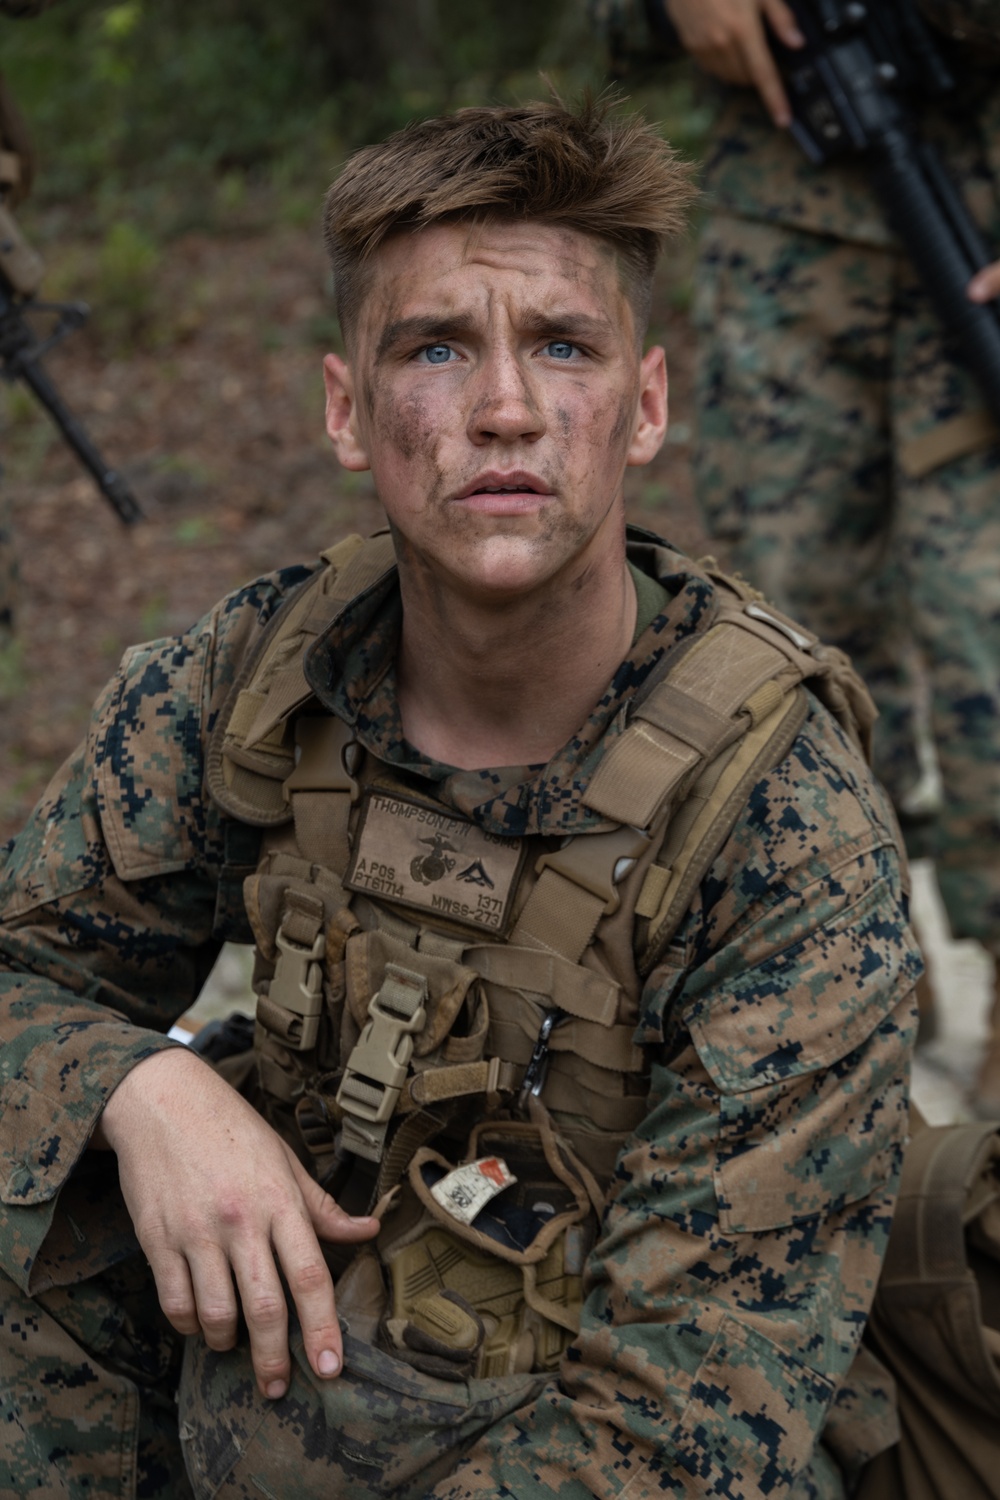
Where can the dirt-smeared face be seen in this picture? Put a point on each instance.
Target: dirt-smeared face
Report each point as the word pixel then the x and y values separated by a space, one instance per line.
pixel 496 393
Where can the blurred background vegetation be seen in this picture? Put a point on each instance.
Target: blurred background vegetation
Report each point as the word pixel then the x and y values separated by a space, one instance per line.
pixel 183 150
pixel 182 114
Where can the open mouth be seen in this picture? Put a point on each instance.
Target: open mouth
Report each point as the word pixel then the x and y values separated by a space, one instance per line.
pixel 506 489
pixel 499 487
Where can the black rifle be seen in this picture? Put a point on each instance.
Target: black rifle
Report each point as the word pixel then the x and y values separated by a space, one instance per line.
pixel 21 350
pixel 853 90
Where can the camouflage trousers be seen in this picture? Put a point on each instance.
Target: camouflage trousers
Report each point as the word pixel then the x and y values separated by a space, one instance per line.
pixel 845 465
pixel 87 1394
pixel 89 1411
pixel 89 1379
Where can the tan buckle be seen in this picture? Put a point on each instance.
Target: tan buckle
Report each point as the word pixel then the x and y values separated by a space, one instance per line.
pixel 297 987
pixel 377 1067
pixel 597 862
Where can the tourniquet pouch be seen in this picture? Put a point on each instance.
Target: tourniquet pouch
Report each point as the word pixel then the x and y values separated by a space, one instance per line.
pixel 484 1260
pixel 936 1321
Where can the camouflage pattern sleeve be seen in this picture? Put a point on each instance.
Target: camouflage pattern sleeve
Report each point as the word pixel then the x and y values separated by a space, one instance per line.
pixel 749 1214
pixel 107 901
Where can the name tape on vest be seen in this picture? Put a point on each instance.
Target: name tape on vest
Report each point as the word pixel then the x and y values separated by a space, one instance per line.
pixel 422 857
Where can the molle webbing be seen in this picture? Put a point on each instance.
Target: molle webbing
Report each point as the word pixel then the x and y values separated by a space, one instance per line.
pixel 251 754
pixel 669 788
pixel 733 677
pixel 680 773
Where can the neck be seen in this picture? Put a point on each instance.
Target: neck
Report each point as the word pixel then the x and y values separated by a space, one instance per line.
pixel 508 684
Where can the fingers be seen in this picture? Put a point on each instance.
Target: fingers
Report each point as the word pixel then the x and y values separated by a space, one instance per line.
pixel 265 1311
pixel 728 39
pixel 985 285
pixel 311 1288
pixel 763 74
pixel 308 1278
pixel 174 1289
pixel 224 1211
pixel 781 19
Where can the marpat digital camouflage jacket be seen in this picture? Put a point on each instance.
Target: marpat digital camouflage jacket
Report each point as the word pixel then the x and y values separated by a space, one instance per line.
pixel 748 1215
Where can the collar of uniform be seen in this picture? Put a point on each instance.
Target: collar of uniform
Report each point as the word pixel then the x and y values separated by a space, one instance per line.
pixel 351 668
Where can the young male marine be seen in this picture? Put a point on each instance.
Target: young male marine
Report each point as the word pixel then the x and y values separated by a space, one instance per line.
pixel 565 1157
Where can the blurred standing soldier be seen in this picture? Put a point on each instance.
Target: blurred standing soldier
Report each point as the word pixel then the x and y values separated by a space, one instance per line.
pixel 845 459
pixel 16 168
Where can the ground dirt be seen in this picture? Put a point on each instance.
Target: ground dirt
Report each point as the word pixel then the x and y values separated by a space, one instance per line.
pixel 216 421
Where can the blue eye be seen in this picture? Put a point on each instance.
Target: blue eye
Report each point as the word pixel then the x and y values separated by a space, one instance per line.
pixel 560 349
pixel 437 354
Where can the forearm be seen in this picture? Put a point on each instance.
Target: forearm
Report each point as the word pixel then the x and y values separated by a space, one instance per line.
pixel 77 1013
pixel 107 900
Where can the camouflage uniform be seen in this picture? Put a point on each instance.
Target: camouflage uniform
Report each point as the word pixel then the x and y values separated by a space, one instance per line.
pixel 845 461
pixel 745 1220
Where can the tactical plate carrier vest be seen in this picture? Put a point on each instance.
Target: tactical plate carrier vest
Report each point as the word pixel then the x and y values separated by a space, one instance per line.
pixel 445 1019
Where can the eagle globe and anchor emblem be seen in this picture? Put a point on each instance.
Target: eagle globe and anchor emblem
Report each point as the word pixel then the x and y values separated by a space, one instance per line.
pixel 434 866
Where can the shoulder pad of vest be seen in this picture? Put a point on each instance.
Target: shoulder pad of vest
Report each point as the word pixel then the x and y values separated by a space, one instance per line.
pixel 251 751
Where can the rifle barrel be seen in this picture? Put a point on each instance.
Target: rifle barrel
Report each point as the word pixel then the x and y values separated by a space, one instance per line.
pixel 110 483
pixel 940 251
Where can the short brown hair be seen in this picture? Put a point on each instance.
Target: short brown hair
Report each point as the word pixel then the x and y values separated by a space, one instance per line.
pixel 592 169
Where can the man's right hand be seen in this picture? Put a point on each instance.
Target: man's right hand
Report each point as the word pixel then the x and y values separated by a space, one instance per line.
pixel 216 1199
pixel 727 38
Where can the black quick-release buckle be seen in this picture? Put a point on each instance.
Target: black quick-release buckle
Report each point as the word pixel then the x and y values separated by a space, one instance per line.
pixel 538 1063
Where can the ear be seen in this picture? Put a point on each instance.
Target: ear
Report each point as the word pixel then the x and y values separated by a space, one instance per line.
pixel 341 414
pixel 651 408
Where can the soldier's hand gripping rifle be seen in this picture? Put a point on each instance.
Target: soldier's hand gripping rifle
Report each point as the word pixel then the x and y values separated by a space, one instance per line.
pixel 854 89
pixel 21 349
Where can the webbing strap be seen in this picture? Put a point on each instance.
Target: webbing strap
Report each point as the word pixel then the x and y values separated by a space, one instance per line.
pixel 687 718
pixel 558 916
pixel 704 821
pixel 321 790
pixel 487 1076
pixel 619 1113
pixel 564 984
pixel 248 748
pixel 576 886
pixel 942 1164
pixel 946 440
pixel 611 1048
pixel 365 563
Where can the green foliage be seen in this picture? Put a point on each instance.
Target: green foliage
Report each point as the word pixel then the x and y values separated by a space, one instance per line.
pixel 196 531
pixel 193 105
pixel 126 282
pixel 153 616
pixel 13 679
pixel 28 434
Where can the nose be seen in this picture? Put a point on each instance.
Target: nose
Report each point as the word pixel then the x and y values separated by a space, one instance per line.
pixel 505 405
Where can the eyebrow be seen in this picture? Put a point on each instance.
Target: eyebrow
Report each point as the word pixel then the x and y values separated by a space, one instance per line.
pixel 419 331
pixel 539 324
